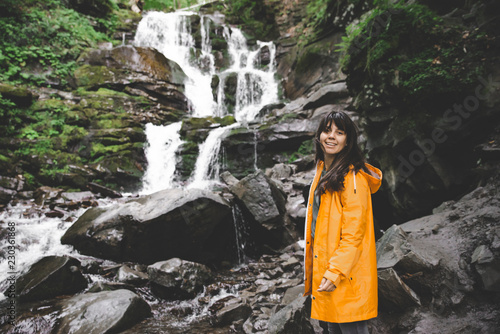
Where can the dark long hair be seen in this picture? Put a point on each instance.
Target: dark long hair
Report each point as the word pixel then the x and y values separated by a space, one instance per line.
pixel 349 156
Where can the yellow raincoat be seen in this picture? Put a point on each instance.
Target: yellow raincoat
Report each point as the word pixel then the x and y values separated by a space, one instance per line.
pixel 343 250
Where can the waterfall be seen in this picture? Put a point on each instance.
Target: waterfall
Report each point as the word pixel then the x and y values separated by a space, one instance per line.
pixel 172 34
pixel 163 143
pixel 241 231
pixel 208 164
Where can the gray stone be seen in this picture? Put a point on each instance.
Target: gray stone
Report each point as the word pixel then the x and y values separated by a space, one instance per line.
pixel 262 199
pixel 327 94
pixel 235 309
pixel 128 275
pixel 102 312
pixel 176 278
pixel 394 250
pixel 394 291
pixel 281 171
pixel 50 277
pixel 6 195
pixel 292 319
pixel 166 224
pixel 488 267
pixel 228 178
pixel 292 293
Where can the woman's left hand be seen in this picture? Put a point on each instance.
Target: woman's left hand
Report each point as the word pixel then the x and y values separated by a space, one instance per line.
pixel 326 285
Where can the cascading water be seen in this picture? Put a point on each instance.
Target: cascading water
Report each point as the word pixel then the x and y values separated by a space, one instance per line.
pixel 163 143
pixel 173 35
pixel 170 33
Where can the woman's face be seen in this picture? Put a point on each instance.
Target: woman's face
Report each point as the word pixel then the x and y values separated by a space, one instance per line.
pixel 332 140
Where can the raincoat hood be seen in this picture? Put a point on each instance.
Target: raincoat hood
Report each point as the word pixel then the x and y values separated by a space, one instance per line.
pixel 374 178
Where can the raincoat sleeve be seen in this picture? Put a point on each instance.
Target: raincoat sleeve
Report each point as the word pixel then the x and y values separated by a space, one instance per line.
pixel 354 198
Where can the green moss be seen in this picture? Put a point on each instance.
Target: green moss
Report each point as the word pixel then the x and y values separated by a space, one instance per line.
pixel 90 76
pixel 99 149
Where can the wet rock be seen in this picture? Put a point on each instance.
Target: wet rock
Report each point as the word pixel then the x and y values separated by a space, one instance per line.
pixel 304 68
pixel 6 195
pixel 263 205
pixel 176 278
pixel 50 277
pixel 264 56
pixel 136 68
pixel 292 319
pixel 45 195
pixel 228 178
pixel 55 214
pixel 129 275
pixel 103 191
pixel 12 183
pixel 236 309
pixel 109 286
pixel 193 224
pixel 101 312
pixel 394 291
pixel 261 198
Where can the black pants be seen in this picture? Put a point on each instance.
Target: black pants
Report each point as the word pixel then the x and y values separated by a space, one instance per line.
pixel 357 327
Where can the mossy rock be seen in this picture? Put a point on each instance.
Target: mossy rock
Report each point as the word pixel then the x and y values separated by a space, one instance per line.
pixel 91 76
pixel 99 149
pixel 20 95
pixel 188 155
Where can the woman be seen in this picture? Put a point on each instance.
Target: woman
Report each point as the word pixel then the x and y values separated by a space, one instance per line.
pixel 340 259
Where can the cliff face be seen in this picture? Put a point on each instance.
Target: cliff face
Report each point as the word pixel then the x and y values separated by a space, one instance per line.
pixel 424 81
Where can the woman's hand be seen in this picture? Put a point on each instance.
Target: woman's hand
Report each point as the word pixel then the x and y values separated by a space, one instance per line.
pixel 326 285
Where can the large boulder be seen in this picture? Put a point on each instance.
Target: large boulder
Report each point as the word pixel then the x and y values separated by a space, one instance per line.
pixel 193 224
pixel 101 312
pixel 50 277
pixel 176 278
pixel 443 266
pixel 137 70
pixel 263 206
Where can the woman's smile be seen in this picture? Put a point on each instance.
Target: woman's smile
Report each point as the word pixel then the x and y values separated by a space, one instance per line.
pixel 333 140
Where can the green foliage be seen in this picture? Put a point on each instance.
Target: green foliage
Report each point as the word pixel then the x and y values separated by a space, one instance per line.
pixel 323 15
pixel 426 56
pixel 10 116
pixel 168 5
pixel 254 16
pixel 306 148
pixel 41 41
